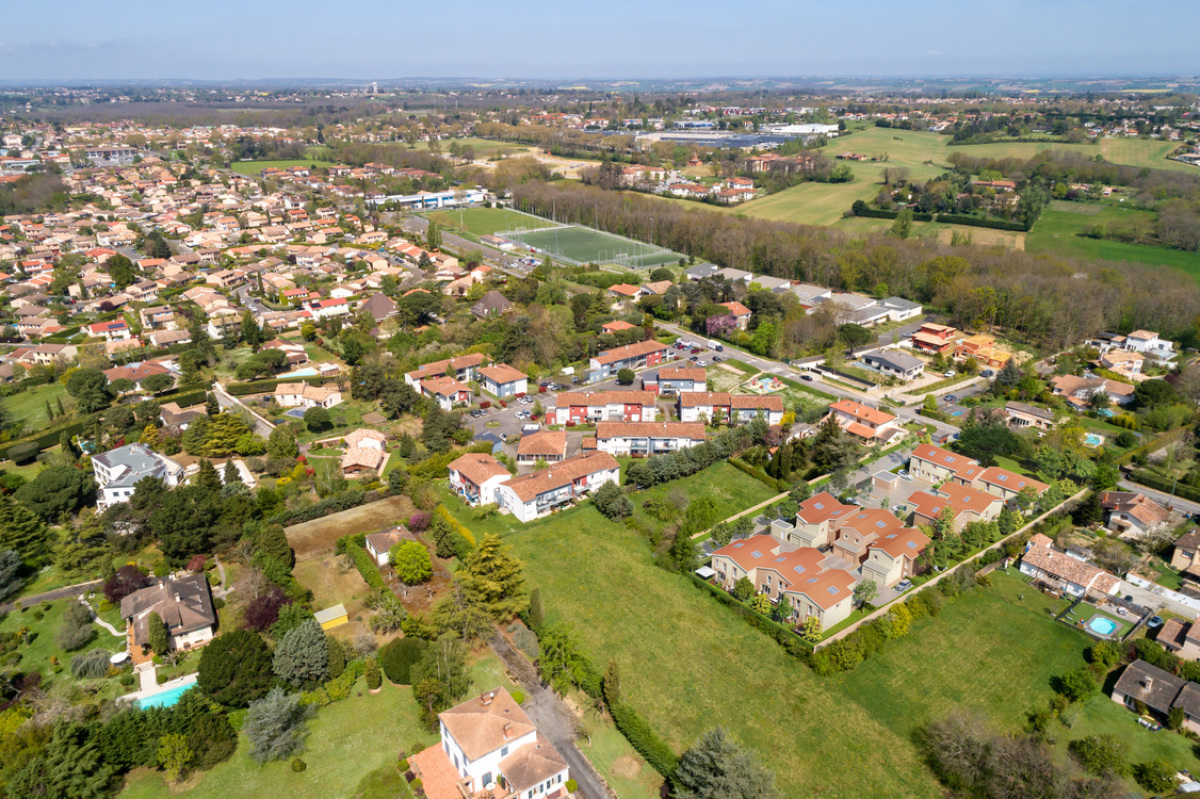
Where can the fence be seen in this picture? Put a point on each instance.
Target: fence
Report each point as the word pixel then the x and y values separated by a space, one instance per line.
pixel 998 545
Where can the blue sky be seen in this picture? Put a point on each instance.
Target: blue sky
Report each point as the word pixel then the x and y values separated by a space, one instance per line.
pixel 372 39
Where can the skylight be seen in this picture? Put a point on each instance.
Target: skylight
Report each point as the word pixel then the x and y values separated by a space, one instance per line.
pixel 799 569
pixel 811 580
pixel 756 554
pixel 780 559
pixel 881 524
pixel 833 590
pixel 1002 477
pixel 912 544
pixel 819 505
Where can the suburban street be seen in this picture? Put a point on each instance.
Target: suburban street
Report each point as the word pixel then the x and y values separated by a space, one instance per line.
pixel 1162 497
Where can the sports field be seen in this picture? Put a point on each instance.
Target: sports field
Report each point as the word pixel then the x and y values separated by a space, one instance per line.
pixel 583 245
pixel 486 221
pixel 256 167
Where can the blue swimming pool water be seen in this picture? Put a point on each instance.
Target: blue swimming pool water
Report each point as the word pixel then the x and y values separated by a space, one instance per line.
pixel 956 413
pixel 1103 626
pixel 1107 413
pixel 297 413
pixel 166 698
pixel 301 373
pixel 1093 440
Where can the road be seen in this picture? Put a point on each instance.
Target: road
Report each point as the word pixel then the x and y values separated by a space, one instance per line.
pixel 49 596
pixel 553 719
pixel 1162 497
pixel 231 403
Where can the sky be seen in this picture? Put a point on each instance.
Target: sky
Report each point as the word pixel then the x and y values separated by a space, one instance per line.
pixel 388 39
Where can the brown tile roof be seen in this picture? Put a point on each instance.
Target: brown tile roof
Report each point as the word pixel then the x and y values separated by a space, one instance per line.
pixel 568 399
pixel 485 723
pixel 736 308
pixel 960 498
pixel 184 605
pixel 528 487
pixel 443 386
pixel 546 442
pixel 1064 567
pixel 362 434
pixel 823 507
pixel 960 465
pixel 906 542
pixel 502 373
pixel 362 456
pixel 437 368
pixel 768 402
pixel 863 412
pixel 826 588
pixel 636 350
pixel 1011 481
pixel 1139 506
pixel 695 373
pixel 691 430
pixel 694 399
pixel 532 764
pixel 1161 692
pixel 478 467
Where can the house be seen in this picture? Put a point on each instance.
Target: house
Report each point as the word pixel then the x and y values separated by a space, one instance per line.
pixel 1131 514
pixel 966 505
pixel 501 380
pixel 675 379
pixel 136 372
pixel 1065 572
pixel 380 544
pixel 936 465
pixel 899 365
pixel 492 304
pixel 324 309
pixel 934 338
pixel 447 392
pixel 1021 415
pixel 116 330
pixel 295 353
pixel 893 556
pixel 740 313
pixel 1160 692
pixel 584 407
pixel 900 309
pixel 616 326
pixel 624 291
pixel 184 605
pixel 366 450
pixel 1122 362
pixel 118 471
pixel 1148 343
pixel 818 520
pixel 805 578
pixel 1182 638
pixel 462 368
pixel 643 439
pixel 302 395
pixel 380 306
pixel 631 356
pixel 984 350
pixel 166 338
pixel 489 747
pixel 717 406
pixel 1079 390
pixel 1185 557
pixel 1008 485
pixel 866 422
pixel 548 445
pixel 538 493
pixel 476 476
pixel 856 532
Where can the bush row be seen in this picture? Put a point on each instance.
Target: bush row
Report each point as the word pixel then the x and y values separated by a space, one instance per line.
pixel 644 739
pixel 674 465
pixel 366 566
pixel 455 524
pixel 1173 487
pixel 793 643
pixel 335 504
pixel 974 221
pixel 759 474
pixel 878 213
pixel 265 386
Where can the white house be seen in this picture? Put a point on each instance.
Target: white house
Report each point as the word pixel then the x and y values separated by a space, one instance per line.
pixel 323 309
pixel 894 363
pixel 184 605
pixel 476 476
pixel 1147 342
pixel 532 495
pixel 302 395
pixel 379 545
pixel 642 439
pixel 488 744
pixel 118 470
pixel 582 407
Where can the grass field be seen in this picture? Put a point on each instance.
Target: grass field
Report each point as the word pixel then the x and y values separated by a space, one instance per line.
pixel 37 654
pixel 487 221
pixel 254 168
pixel 318 537
pixel 484 148
pixel 583 245
pixel 29 407
pixel 1058 231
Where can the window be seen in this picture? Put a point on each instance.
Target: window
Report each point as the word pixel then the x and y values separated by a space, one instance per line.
pixel 833 590
pixel 504 752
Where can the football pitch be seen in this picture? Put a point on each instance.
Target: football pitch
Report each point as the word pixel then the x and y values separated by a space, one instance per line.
pixel 582 245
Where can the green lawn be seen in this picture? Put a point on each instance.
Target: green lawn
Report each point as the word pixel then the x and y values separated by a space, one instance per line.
pixel 346 742
pixel 255 168
pixel 689 664
pixel 29 407
pixel 487 221
pixel 36 656
pixel 484 148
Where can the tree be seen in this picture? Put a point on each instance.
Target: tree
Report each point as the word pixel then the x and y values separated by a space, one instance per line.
pixel 625 376
pixel 76 630
pixel 317 419
pixel 302 657
pixel 536 613
pixel 230 475
pixel 433 236
pixel 1102 755
pixel 251 333
pixel 90 389
pixel 174 755
pixel 70 767
pixel 282 443
pixel 902 227
pixel 56 491
pixel 1156 776
pixel 276 726
pixel 159 383
pixel 811 631
pixel 611 686
pixel 156 632
pixel 864 592
pixel 235 668
pixel 441 677
pixel 207 477
pixel 124 581
pixel 398 657
pixel 21 531
pixel 1078 684
pixel 761 604
pixel 272 543
pixel 10 573
pixel 717 768
pixel 611 501
pixel 411 561
pixel 494 580
pixel 743 589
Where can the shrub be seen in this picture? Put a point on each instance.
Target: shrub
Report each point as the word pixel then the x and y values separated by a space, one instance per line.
pixel 1102 755
pixel 24 452
pixel 399 656
pixel 1156 776
pixel 572 786
pixel 90 665
pixel 518 697
pixel 411 561
pixel 77 629
pixel 366 566
pixel 418 522
pixel 299 765
pixel 373 673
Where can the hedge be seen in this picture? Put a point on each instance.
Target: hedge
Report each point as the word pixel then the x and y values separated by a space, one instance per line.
pixel 997 224
pixel 644 740
pixel 366 566
pixel 341 502
pixel 792 642
pixel 936 416
pixel 455 525
pixel 760 475
pixel 877 213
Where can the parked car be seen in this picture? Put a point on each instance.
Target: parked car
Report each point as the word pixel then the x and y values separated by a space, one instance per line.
pixel 716 359
pixel 1155 622
pixel 575 380
pixel 806 376
pixel 904 585
pixel 950 398
pixel 694 358
pixel 947 374
pixel 504 436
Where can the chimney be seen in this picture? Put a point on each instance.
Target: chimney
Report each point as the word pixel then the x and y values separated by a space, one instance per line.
pixel 486 697
pixel 507 730
pixel 1148 682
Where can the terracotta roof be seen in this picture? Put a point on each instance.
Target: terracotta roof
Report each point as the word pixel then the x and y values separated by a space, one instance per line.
pixel 1139 506
pixel 362 434
pixel 443 386
pixel 624 289
pixel 822 507
pixel 636 350
pixel 568 399
pixel 532 764
pixel 960 498
pixel 544 443
pixel 695 373
pixel 486 723
pixel 768 402
pixel 826 588
pixel 690 430
pixel 960 465
pixel 863 412
pixel 693 399
pixel 736 308
pixel 364 457
pixel 502 373
pixel 1011 481
pixel 385 540
pixel 478 467
pixel 1064 567
pixel 528 487
pixel 907 542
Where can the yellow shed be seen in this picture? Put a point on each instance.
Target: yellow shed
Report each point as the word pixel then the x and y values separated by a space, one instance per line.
pixel 331 617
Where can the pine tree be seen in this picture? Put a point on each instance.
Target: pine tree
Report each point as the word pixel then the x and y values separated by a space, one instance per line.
pixel 207 477
pixel 21 531
pixel 61 412
pixel 211 406
pixel 536 615
pixel 612 684
pixel 49 413
pixel 302 657
pixel 64 445
pixel 157 631
pixel 716 767
pixel 273 543
pixel 232 475
pixel 493 579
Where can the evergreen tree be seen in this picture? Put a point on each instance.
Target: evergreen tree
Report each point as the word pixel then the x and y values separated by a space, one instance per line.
pixel 207 477
pixel 302 657
pixel 276 725
pixel 493 579
pixel 211 406
pixel 61 412
pixel 251 333
pixel 612 684
pixel 231 474
pixel 70 767
pixel 717 768
pixel 235 668
pixel 21 531
pixel 282 443
pixel 273 543
pixel 157 633
pixel 536 614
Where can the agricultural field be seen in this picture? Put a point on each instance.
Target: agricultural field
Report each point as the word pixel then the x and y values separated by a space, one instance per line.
pixel 253 168
pixel 318 537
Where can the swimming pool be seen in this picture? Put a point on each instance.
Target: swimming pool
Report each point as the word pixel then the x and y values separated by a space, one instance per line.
pixel 1093 439
pixel 166 698
pixel 300 373
pixel 1101 625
